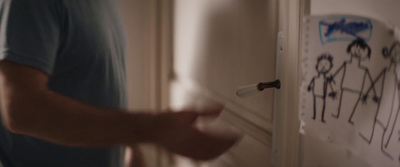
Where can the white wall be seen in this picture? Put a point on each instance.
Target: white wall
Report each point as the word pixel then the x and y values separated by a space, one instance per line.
pixel 321 154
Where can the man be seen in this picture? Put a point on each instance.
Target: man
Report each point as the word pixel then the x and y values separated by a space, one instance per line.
pixel 63 90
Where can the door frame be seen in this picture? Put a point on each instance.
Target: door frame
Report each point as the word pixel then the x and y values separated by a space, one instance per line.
pixel 149 62
pixel 287 140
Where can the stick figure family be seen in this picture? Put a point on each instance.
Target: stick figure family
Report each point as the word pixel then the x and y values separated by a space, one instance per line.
pixel 351 85
pixel 355 83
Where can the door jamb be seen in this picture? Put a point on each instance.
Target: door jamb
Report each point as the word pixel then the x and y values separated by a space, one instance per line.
pixel 287 140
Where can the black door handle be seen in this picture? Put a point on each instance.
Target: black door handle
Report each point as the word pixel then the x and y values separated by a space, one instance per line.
pixel 248 90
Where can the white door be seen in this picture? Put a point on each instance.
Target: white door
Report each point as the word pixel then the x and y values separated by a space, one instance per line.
pixel 218 47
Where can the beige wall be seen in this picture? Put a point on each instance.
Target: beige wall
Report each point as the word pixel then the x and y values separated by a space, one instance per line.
pixel 140 25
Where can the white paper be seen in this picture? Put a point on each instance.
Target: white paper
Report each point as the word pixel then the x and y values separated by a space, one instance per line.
pixel 351 81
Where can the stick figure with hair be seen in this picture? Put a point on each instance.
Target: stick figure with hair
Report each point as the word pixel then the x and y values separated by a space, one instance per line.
pixel 354 78
pixel 388 110
pixel 319 84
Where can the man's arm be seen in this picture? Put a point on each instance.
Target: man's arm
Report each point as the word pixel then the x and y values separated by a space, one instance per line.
pixel 30 108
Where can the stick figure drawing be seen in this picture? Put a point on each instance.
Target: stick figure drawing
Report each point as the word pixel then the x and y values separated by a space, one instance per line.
pixel 389 107
pixel 319 84
pixel 354 78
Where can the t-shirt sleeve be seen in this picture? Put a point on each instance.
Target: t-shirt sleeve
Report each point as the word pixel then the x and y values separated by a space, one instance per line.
pixel 30 32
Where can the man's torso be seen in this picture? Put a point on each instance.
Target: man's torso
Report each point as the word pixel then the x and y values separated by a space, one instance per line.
pixel 89 67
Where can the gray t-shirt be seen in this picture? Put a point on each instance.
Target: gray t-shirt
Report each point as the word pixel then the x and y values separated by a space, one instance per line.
pixel 81 45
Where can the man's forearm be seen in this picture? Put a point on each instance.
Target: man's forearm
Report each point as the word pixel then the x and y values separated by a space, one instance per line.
pixel 29 107
pixel 51 116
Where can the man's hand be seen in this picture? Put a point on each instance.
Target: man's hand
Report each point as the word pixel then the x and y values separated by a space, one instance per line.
pixel 177 135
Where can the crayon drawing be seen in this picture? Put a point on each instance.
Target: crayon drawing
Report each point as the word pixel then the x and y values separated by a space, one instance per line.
pixel 351 83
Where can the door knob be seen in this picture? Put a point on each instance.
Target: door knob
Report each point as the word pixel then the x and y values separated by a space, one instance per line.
pixel 248 90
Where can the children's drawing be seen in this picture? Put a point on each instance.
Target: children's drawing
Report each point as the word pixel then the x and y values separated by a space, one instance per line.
pixel 387 117
pixel 354 77
pixel 319 84
pixel 350 95
pixel 344 29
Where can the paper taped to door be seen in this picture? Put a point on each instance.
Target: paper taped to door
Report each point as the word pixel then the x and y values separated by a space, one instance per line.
pixel 351 81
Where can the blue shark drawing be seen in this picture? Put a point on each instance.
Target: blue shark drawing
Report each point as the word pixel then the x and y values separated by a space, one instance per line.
pixel 352 28
pixel 345 29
